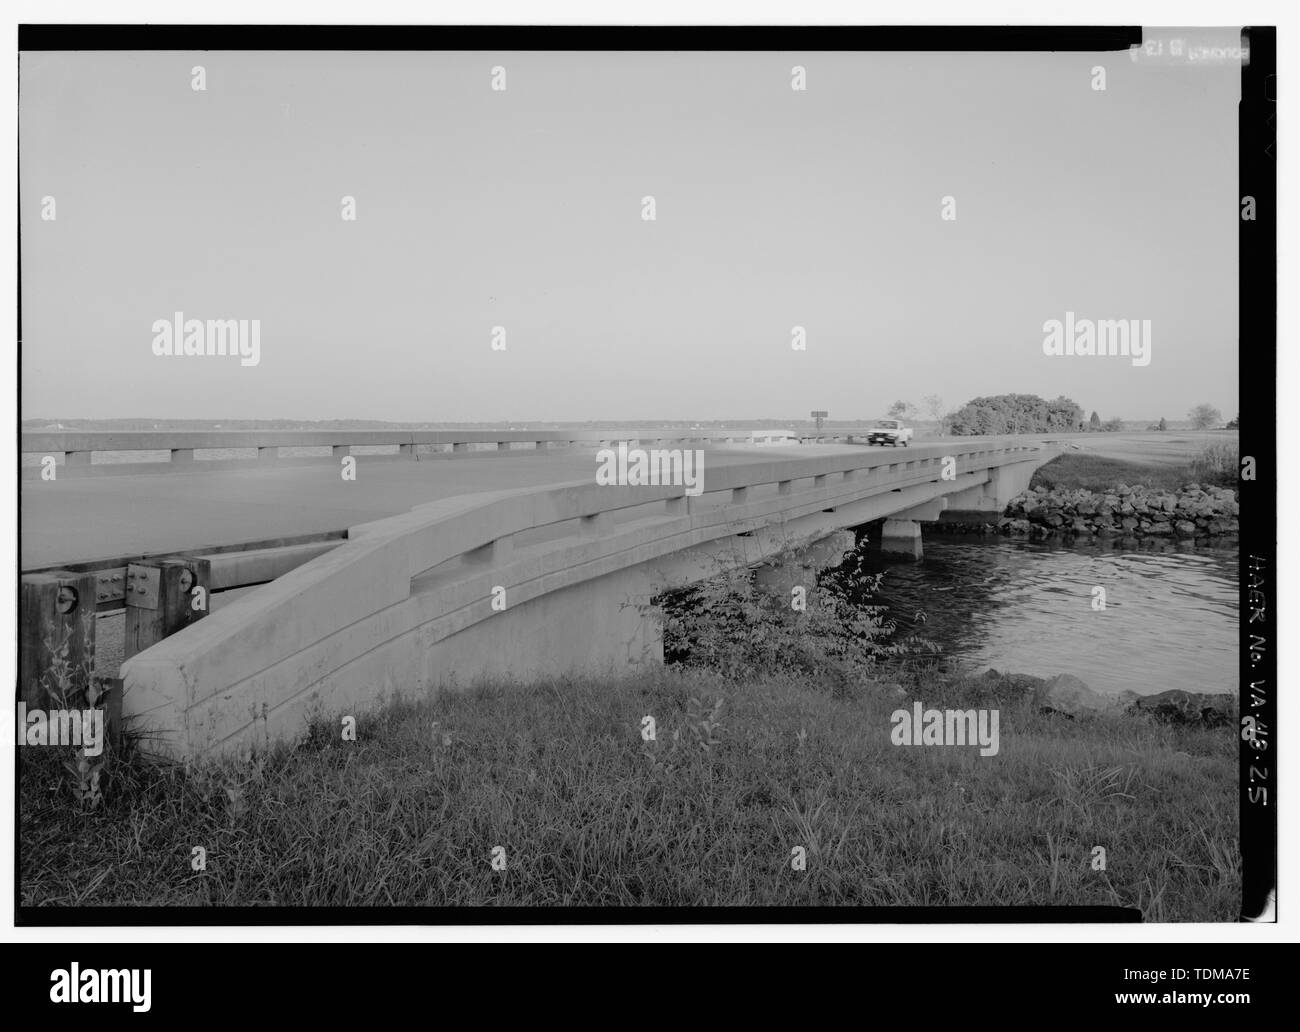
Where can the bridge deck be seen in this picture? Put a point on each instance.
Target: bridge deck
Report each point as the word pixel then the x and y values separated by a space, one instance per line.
pixel 76 520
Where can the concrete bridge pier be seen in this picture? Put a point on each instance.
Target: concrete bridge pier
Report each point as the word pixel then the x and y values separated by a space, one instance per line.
pixel 901 537
pixel 901 534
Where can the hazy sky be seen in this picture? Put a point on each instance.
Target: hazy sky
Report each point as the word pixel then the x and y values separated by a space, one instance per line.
pixel 522 208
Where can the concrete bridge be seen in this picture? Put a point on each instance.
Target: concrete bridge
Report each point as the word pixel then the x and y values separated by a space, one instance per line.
pixel 524 572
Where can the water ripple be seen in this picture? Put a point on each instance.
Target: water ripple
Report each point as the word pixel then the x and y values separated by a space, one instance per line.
pixel 1170 621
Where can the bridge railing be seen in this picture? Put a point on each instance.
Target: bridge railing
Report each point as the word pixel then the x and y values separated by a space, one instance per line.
pixel 365 616
pixel 76 449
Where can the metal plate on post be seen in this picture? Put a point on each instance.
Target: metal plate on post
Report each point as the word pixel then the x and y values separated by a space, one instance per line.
pixel 110 585
pixel 143 586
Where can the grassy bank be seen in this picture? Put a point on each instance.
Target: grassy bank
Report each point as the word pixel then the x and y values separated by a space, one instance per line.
pixel 1214 465
pixel 707 814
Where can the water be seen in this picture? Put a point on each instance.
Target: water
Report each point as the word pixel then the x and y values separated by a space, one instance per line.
pixel 1170 621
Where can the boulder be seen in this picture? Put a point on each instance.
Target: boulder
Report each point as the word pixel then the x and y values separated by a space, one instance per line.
pixel 1010 685
pixel 1185 529
pixel 1177 706
pixel 1066 694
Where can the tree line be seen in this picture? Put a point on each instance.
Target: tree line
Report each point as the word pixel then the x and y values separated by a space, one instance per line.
pixel 1028 413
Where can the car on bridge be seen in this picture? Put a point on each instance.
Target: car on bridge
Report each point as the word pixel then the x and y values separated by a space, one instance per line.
pixel 891 432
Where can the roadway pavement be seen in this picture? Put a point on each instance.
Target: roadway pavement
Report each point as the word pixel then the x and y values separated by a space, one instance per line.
pixel 82 519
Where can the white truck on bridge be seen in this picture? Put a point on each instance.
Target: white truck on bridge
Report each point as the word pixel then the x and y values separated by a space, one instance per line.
pixel 891 432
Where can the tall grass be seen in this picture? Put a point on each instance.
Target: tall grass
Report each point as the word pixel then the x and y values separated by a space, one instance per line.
pixel 759 748
pixel 1217 463
pixel 590 813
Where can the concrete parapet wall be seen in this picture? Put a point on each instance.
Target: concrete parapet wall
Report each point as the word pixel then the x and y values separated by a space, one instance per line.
pixel 75 449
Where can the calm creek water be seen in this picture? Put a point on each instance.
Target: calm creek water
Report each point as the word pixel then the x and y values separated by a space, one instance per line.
pixel 1026 607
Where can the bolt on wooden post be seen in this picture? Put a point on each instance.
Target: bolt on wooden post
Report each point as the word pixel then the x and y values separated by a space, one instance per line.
pixel 56 637
pixel 161 600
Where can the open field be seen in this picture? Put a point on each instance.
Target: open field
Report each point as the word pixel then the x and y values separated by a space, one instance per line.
pixel 1104 464
pixel 1170 448
pixel 589 813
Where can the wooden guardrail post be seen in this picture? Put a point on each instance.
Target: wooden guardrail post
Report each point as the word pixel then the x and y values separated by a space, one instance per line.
pixel 56 636
pixel 110 701
pixel 161 598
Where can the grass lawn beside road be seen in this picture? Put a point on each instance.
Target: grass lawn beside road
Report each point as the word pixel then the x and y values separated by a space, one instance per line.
pixel 1105 464
pixel 588 812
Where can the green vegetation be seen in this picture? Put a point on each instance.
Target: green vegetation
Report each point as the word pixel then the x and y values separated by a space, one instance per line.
pixel 1075 470
pixel 1016 414
pixel 934 407
pixel 707 814
pixel 728 626
pixel 759 747
pixel 1214 465
pixel 1204 416
pixel 1218 463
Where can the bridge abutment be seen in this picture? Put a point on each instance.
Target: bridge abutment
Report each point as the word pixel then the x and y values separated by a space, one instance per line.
pixel 788 570
pixel 1002 485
